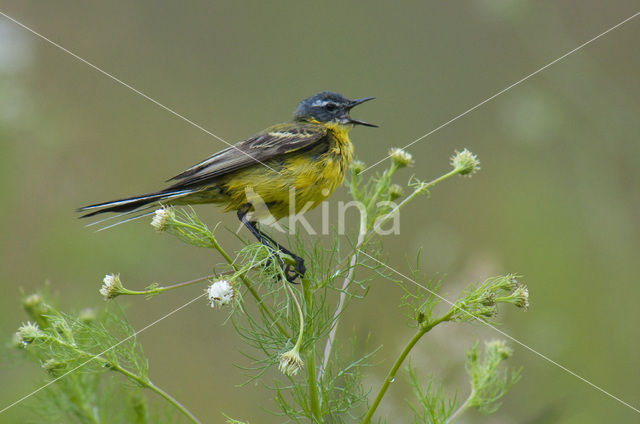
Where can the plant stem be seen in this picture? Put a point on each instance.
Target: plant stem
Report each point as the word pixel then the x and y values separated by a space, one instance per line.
pixel 460 410
pixel 143 381
pixel 148 384
pixel 248 285
pixel 385 179
pixel 160 289
pixel 186 283
pixel 422 330
pixel 343 295
pixel 314 398
pixel 363 238
pixel 298 344
pixel 417 191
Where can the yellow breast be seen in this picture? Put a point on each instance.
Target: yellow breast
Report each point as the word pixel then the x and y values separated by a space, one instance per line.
pixel 307 177
pixel 316 179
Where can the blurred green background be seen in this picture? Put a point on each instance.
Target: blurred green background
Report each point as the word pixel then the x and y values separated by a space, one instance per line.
pixel 557 199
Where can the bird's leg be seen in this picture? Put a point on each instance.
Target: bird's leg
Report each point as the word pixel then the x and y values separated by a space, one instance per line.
pixel 263 238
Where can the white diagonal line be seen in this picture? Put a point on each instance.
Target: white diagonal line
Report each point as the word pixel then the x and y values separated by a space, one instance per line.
pixel 100 354
pixel 135 90
pixel 541 355
pixel 508 88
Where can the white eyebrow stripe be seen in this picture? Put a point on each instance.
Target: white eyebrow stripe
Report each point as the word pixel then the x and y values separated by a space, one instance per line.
pixel 320 103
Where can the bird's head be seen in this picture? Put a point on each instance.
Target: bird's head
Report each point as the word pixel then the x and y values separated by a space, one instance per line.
pixel 329 107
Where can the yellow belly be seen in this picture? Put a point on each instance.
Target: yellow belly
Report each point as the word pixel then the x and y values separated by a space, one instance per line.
pixel 304 181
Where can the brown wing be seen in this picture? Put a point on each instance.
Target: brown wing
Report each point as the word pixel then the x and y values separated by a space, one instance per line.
pixel 272 142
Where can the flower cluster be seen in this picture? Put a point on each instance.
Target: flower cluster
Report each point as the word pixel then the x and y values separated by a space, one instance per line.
pixel 488 382
pixel 465 163
pixel 395 191
pixel 159 220
pixel 290 362
pixel 482 301
pixel 27 334
pixel 400 157
pixel 111 286
pixel 358 166
pixel 518 297
pixel 220 293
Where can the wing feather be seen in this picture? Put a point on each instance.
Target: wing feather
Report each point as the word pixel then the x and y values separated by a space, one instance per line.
pixel 272 142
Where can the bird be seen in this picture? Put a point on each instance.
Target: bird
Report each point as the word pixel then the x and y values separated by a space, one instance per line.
pixel 279 171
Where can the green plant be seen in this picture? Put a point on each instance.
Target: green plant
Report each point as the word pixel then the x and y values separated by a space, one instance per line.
pixel 290 327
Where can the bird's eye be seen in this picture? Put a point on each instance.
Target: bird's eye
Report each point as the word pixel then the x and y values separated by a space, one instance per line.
pixel 331 107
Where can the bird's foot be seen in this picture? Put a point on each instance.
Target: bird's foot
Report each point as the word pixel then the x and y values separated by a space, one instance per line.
pixel 293 272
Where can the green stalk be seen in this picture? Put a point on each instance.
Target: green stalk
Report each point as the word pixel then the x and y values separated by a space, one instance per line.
pixel 215 245
pixel 298 344
pixel 345 285
pixel 386 217
pixel 160 289
pixel 248 285
pixel 314 397
pixel 385 179
pixel 419 190
pixel 149 385
pixel 461 409
pixel 422 330
pixel 352 259
pixel 144 382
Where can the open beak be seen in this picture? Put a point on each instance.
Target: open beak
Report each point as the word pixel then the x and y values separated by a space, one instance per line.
pixel 355 103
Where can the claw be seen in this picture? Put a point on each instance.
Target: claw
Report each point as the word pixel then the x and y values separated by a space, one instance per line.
pixel 300 268
pixel 292 273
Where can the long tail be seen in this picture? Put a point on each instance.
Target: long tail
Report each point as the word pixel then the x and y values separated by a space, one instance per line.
pixel 132 204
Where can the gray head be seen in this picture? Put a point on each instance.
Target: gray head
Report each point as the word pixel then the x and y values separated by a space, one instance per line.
pixel 329 107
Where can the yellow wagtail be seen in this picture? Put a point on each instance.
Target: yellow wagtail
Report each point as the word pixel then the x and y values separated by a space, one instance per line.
pixel 308 156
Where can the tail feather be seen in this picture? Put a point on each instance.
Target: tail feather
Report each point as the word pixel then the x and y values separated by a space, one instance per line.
pixel 119 215
pixel 122 221
pixel 131 204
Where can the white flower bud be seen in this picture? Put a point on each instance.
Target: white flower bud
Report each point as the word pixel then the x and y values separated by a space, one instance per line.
pixel 290 362
pixel 395 191
pixel 521 295
pixel 465 162
pixel 358 166
pixel 220 293
pixel 27 334
pixel 32 300
pixel 400 157
pixel 159 220
pixel 111 287
pixel 53 366
pixel 498 348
